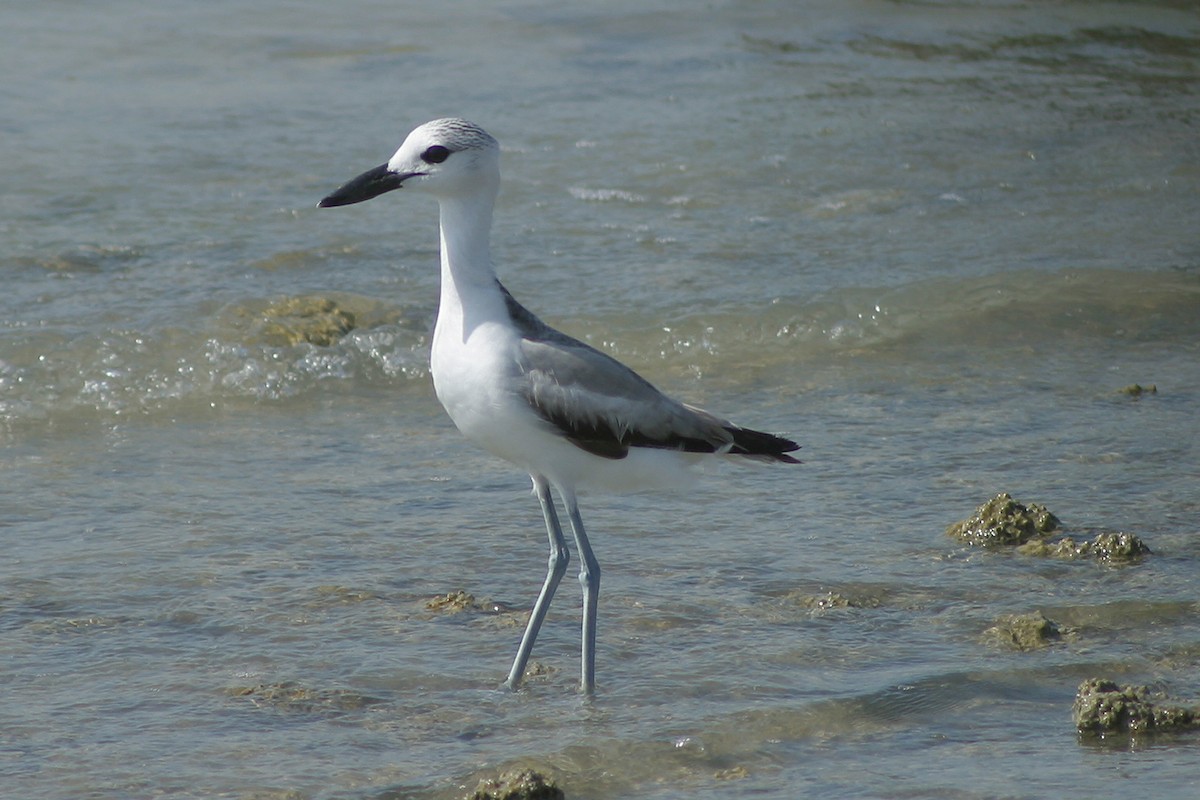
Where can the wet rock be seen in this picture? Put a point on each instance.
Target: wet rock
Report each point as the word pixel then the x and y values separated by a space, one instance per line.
pixel 313 319
pixel 1024 631
pixel 525 784
pixel 539 672
pixel 76 624
pixel 831 600
pixel 452 603
pixel 459 601
pixel 1004 521
pixel 1137 390
pixel 1105 707
pixel 334 595
pixel 1118 547
pixel 1061 548
pixel 1110 547
pixel 826 601
pixel 290 696
pixel 816 601
pixel 490 613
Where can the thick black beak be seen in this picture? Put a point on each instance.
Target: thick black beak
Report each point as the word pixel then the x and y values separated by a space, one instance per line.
pixel 371 183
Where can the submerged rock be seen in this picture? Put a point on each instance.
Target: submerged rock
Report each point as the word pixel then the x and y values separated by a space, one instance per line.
pixel 316 319
pixel 313 319
pixel 461 600
pixel 731 774
pixel 293 697
pixel 1104 707
pixel 1004 521
pixel 525 784
pixel 1137 390
pixel 453 603
pixel 827 601
pixel 1111 547
pixel 1024 631
pixel 830 600
pixel 336 595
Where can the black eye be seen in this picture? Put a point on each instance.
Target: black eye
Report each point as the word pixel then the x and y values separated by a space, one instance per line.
pixel 435 154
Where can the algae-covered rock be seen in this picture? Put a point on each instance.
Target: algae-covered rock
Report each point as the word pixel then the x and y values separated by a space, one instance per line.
pixel 827 601
pixel 1104 707
pixel 1118 547
pixel 317 319
pixel 453 603
pixel 1065 547
pixel 1023 631
pixel 1137 390
pixel 525 784
pixel 490 613
pixel 1110 547
pixel 1004 521
pixel 293 697
pixel 313 319
pixel 336 595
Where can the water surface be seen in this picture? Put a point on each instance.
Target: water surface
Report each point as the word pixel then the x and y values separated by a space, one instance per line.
pixel 931 241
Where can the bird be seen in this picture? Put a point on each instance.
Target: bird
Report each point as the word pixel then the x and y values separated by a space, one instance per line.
pixel 563 411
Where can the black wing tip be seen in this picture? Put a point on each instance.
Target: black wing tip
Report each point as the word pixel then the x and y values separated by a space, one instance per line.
pixel 764 446
pixel 781 458
pixel 784 458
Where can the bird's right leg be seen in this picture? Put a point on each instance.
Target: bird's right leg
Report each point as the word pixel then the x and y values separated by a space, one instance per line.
pixel 556 568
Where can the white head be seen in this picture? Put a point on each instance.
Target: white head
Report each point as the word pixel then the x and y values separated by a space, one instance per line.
pixel 448 157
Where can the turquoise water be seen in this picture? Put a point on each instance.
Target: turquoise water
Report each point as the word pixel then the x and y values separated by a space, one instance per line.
pixel 932 242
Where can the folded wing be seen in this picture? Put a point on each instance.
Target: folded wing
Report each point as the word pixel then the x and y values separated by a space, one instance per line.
pixel 605 408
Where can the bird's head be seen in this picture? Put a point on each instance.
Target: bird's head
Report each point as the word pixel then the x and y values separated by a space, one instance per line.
pixel 445 157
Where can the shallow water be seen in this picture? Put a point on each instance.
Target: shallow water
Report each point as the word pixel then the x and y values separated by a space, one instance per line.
pixel 930 241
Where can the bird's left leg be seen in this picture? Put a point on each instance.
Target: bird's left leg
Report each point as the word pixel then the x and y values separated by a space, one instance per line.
pixel 589 578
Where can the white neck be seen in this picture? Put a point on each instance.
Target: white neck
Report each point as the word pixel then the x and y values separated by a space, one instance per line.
pixel 470 294
pixel 466 225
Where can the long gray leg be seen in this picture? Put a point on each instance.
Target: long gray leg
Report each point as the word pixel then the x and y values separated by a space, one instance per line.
pixel 589 577
pixel 556 568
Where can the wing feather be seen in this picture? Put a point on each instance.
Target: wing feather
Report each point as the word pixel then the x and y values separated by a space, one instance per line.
pixel 605 408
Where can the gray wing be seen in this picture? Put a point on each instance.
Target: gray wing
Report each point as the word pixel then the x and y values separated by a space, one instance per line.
pixel 605 408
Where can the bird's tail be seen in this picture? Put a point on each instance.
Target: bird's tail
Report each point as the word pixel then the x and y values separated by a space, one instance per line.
pixel 762 446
